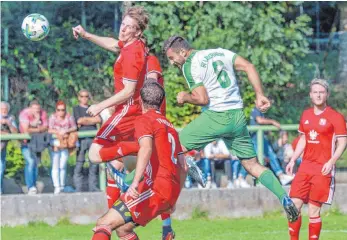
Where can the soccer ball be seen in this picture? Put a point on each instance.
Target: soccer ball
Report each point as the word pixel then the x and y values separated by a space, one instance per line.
pixel 35 27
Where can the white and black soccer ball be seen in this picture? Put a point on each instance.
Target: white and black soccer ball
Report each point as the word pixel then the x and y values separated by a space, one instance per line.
pixel 35 27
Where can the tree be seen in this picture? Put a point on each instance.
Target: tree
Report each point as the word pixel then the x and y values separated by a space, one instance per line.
pixel 256 31
pixel 57 67
pixel 342 68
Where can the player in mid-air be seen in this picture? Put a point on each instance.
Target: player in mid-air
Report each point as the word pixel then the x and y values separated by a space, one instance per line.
pixel 323 138
pixel 211 77
pixel 129 75
pixel 158 179
pixel 133 66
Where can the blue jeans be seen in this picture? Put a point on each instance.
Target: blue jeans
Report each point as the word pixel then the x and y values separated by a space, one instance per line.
pixel 31 167
pixel 2 166
pixel 238 169
pixel 205 165
pixel 270 154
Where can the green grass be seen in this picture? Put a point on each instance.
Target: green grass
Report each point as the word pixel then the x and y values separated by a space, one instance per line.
pixel 271 226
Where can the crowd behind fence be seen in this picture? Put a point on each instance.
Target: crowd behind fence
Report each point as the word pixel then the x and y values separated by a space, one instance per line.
pixel 62 133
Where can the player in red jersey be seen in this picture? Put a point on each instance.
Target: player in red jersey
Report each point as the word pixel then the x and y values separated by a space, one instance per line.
pixel 129 74
pixel 114 139
pixel 323 140
pixel 157 182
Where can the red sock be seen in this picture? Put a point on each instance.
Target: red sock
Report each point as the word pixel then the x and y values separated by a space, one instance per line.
pixel 130 236
pixel 112 192
pixel 314 227
pixel 102 233
pixel 121 149
pixel 165 216
pixel 294 229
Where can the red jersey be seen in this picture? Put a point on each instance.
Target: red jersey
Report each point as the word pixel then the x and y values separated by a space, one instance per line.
pixel 163 167
pixel 131 66
pixel 153 65
pixel 320 132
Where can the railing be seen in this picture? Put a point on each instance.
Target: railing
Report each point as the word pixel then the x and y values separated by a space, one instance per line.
pixel 102 174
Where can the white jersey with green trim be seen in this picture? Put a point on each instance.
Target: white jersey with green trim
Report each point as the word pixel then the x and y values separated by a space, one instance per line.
pixel 214 69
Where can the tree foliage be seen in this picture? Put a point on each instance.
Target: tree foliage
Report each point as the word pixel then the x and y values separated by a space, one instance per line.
pixel 59 66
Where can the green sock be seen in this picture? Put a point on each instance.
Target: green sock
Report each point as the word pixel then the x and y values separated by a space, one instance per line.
pixel 269 180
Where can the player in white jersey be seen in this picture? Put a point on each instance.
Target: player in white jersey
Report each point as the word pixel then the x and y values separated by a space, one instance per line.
pixel 211 77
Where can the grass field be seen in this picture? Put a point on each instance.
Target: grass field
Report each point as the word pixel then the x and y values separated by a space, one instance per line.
pixel 270 227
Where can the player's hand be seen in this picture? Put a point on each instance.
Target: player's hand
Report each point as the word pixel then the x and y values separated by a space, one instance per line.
pixel 132 190
pixel 290 167
pixel 94 110
pixel 78 31
pixel 181 98
pixel 262 103
pixel 327 168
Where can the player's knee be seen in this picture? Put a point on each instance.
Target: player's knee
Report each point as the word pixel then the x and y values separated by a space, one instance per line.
pixel 94 153
pixel 250 164
pixel 298 203
pixel 314 209
pixel 103 222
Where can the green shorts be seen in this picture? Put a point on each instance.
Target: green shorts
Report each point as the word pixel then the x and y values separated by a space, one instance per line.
pixel 230 125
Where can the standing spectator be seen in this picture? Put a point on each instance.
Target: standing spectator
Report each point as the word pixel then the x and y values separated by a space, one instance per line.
pixel 239 174
pixel 204 164
pixel 32 120
pixel 8 125
pixel 62 124
pixel 219 154
pixel 283 149
pixel 84 123
pixel 258 118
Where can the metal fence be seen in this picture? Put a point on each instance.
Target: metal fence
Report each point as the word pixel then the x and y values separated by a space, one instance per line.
pixel 102 174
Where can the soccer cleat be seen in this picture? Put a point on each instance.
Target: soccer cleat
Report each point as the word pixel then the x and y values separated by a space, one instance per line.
pixel 119 178
pixel 168 233
pixel 291 211
pixel 195 172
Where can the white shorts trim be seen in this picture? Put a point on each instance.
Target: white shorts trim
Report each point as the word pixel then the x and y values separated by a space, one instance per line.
pixel 114 122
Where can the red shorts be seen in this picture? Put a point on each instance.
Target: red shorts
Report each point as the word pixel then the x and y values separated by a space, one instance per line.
pixel 313 187
pixel 148 205
pixel 118 128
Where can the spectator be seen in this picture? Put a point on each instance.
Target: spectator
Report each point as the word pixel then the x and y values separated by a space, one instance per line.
pixel 62 124
pixel 8 125
pixel 204 164
pixel 84 123
pixel 219 155
pixel 239 174
pixel 258 118
pixel 283 149
pixel 32 120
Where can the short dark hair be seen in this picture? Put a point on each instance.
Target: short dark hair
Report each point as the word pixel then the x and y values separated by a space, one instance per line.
pixel 152 95
pixel 176 43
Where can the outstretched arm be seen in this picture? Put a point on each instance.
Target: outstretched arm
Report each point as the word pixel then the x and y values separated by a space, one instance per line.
pixel 267 121
pixel 262 102
pixel 107 43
